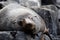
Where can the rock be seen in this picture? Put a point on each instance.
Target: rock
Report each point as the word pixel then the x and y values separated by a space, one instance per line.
pixel 5 36
pixel 58 22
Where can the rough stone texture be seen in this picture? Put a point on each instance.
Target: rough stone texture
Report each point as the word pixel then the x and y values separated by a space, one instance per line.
pixel 58 22
pixel 27 3
pixel 5 35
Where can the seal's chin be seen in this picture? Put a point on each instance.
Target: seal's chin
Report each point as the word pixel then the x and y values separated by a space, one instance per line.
pixel 29 29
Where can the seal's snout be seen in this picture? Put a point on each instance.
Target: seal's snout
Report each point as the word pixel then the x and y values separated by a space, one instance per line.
pixel 22 22
pixel 27 24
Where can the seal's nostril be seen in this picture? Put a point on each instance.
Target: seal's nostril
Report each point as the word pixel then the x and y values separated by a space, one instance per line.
pixel 29 25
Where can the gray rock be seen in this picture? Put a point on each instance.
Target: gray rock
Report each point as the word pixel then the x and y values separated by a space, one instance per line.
pixel 5 35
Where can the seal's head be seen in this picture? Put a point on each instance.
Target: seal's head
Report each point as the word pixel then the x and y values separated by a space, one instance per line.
pixel 28 25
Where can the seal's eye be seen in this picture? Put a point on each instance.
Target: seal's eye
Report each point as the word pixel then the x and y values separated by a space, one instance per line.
pixel 20 23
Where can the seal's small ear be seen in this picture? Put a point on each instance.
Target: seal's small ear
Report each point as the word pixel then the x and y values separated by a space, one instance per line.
pixel 22 22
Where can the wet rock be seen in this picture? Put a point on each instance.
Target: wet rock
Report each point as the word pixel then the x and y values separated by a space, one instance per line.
pixel 27 3
pixel 58 22
pixel 20 36
pixel 5 36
